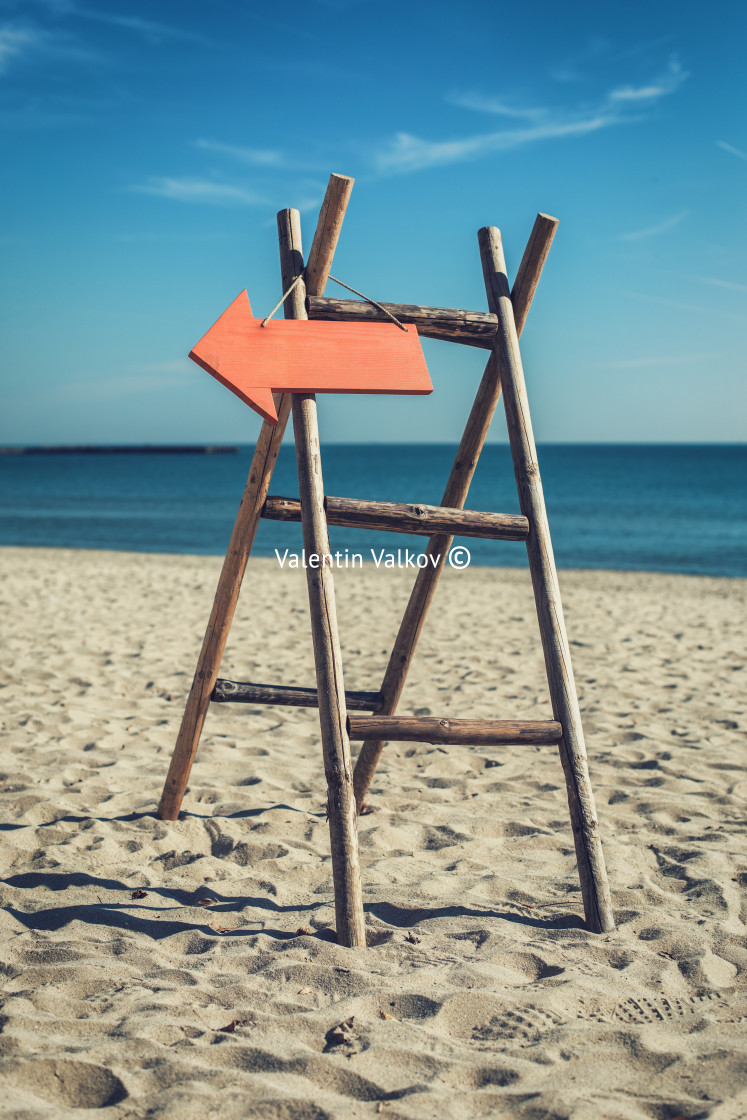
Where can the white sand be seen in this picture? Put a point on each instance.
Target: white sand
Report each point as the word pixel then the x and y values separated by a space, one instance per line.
pixel 469 1002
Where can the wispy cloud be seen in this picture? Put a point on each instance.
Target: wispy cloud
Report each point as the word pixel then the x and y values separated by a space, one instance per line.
pixel 498 106
pixel 690 308
pixel 255 157
pixel 665 360
pixel 405 152
pixel 200 190
pixel 572 69
pixel 174 365
pixel 654 231
pixel 731 149
pixel 410 153
pixel 151 30
pixel 19 42
pixel 667 82
pixel 111 387
pixel 15 41
pixel 716 283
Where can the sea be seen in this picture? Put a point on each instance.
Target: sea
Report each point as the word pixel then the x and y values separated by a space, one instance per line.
pixel 638 507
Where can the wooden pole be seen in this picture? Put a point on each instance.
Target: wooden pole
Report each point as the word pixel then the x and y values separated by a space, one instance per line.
pixel 343 827
pixel 455 495
pixel 245 528
pixel 327 234
pixel 589 855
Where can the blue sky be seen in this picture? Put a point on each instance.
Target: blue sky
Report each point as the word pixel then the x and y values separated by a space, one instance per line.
pixel 148 147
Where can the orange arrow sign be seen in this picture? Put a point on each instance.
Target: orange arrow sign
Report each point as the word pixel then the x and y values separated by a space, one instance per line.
pixel 302 356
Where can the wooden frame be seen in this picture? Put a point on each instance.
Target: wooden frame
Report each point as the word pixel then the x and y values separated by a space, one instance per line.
pixel 499 329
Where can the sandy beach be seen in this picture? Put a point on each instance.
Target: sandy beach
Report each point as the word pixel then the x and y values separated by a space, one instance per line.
pixel 481 994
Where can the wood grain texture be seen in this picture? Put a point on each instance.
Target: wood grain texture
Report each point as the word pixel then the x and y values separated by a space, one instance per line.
pixel 463 732
pixel 242 537
pixel 293 696
pixel 338 769
pixel 327 233
pixel 251 359
pixel 455 494
pixel 341 811
pixel 590 859
pixel 396 517
pixel 472 328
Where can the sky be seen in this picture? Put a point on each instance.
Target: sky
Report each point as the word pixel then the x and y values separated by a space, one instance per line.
pixel 148 147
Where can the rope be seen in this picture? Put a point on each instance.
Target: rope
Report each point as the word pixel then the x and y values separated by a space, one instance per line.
pixel 368 299
pixel 283 297
pixel 355 291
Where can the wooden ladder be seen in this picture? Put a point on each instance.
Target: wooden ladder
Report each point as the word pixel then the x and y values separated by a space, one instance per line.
pixel 498 332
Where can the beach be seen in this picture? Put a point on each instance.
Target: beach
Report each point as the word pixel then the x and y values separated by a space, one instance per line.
pixel 188 969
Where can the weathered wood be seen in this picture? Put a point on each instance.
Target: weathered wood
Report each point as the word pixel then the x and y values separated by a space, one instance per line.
pixel 395 517
pixel 455 495
pixel 341 812
pixel 327 233
pixel 285 695
pixel 463 732
pixel 244 531
pixel 472 328
pixel 589 855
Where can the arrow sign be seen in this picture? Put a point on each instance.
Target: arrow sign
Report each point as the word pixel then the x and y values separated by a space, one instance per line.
pixel 302 356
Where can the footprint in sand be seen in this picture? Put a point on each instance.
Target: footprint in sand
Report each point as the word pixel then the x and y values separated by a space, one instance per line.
pixel 70 1084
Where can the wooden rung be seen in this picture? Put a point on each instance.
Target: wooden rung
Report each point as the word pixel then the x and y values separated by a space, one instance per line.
pixel 473 328
pixel 464 732
pixel 244 692
pixel 396 517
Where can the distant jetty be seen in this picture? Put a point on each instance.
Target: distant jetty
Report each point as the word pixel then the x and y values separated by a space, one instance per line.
pixel 125 449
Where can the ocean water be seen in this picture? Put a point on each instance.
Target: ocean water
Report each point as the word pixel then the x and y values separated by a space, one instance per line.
pixel 666 508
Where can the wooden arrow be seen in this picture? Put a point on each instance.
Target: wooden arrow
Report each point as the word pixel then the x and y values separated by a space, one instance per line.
pixel 299 356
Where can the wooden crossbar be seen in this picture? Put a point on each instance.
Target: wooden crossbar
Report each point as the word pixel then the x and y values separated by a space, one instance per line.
pixel 292 696
pixel 471 328
pixel 465 732
pixel 396 517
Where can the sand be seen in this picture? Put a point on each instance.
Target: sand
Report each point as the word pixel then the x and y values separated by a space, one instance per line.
pixel 481 993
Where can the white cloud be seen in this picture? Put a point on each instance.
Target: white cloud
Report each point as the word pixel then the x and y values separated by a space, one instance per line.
pixel 666 360
pixel 256 157
pixel 666 83
pixel 150 29
pixel 174 365
pixel 111 387
pixel 410 153
pixel 15 41
pixel 200 190
pixel 731 149
pixel 732 287
pixel 406 152
pixel 482 104
pixel 18 42
pixel 690 308
pixel 653 231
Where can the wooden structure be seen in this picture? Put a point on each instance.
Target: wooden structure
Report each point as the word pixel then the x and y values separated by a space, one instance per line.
pixel 497 331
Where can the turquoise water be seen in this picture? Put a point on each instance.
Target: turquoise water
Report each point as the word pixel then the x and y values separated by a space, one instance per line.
pixel 667 508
